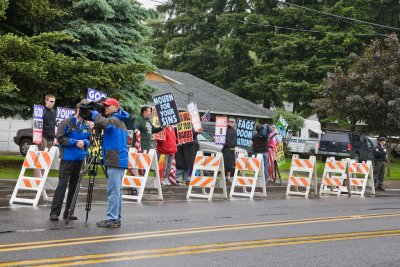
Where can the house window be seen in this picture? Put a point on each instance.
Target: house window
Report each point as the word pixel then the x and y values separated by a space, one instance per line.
pixel 312 134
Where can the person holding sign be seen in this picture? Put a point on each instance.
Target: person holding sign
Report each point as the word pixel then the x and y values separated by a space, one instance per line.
pixel 228 150
pixel 73 137
pixel 146 128
pixel 168 148
pixel 49 123
pixel 260 145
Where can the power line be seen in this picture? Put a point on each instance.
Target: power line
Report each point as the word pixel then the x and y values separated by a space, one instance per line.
pixel 339 16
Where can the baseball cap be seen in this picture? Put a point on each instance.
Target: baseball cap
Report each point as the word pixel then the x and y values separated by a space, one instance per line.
pixel 111 101
pixel 382 139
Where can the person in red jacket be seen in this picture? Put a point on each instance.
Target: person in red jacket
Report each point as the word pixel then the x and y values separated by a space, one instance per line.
pixel 168 148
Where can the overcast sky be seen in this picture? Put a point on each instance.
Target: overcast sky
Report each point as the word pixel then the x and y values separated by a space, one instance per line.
pixel 148 3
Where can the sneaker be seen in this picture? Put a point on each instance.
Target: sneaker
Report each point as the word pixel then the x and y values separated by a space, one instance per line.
pixel 380 188
pixel 53 217
pixel 109 224
pixel 166 182
pixel 71 218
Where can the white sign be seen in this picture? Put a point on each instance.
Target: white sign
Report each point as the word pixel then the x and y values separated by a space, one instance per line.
pixel 194 113
pixel 37 124
pixel 221 123
pixel 95 95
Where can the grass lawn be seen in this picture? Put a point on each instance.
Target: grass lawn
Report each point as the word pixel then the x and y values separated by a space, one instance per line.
pixel 10 167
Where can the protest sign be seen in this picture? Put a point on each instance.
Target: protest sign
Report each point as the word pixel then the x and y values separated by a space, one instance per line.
pixel 166 109
pixel 221 123
pixel 192 107
pixel 63 113
pixel 37 124
pixel 281 125
pixel 156 123
pixel 280 155
pixel 184 128
pixel 95 95
pixel 244 132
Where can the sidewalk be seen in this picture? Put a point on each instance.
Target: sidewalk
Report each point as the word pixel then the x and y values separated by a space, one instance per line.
pixel 100 187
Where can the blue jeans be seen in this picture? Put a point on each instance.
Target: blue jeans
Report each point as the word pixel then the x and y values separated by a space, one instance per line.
pixel 184 173
pixel 114 193
pixel 265 159
pixel 168 165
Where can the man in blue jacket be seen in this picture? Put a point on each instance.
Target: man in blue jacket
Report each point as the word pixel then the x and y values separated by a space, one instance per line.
pixel 73 136
pixel 115 155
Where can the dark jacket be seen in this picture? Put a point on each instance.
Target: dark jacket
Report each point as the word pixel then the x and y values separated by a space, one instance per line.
pixel 49 123
pixel 68 134
pixel 231 138
pixel 379 153
pixel 146 128
pixel 115 138
pixel 260 143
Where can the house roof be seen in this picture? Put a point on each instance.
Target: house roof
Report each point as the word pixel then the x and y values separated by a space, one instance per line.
pixel 187 88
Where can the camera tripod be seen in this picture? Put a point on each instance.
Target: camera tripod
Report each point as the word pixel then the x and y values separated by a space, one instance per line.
pixel 90 166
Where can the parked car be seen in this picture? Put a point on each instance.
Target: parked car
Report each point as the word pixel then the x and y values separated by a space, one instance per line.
pixel 23 139
pixel 345 144
pixel 208 127
pixel 306 141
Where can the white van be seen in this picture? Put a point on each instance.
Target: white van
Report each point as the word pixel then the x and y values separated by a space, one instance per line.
pixel 307 139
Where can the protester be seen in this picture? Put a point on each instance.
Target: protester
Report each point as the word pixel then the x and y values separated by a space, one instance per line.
pixel 168 148
pixel 228 150
pixel 73 137
pixel 260 145
pixel 115 155
pixel 379 163
pixel 146 128
pixel 272 153
pixel 49 123
pixel 185 157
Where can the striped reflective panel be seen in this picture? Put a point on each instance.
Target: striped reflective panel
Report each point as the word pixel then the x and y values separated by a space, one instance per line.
pixel 132 181
pixel 31 183
pixel 37 160
pixel 333 181
pixel 203 182
pixel 302 163
pixel 361 168
pixel 299 181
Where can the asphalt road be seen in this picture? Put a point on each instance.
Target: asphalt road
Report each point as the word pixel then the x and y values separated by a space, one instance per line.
pixel 327 231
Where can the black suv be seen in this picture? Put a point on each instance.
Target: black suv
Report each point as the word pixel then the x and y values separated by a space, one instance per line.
pixel 344 144
pixel 23 139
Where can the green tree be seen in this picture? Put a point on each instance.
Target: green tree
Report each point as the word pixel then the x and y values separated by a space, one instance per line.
pixel 111 31
pixel 264 51
pixel 30 68
pixel 368 92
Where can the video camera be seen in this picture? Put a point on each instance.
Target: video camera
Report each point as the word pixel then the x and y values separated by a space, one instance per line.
pixel 86 109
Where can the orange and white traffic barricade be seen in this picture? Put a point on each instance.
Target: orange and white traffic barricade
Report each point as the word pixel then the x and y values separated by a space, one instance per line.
pixel 361 177
pixel 334 177
pixel 243 167
pixel 205 176
pixel 303 175
pixel 137 174
pixel 35 162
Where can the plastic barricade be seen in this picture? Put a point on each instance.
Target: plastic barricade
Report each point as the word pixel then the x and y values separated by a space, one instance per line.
pixel 243 167
pixel 361 177
pixel 205 176
pixel 36 162
pixel 137 178
pixel 302 176
pixel 334 177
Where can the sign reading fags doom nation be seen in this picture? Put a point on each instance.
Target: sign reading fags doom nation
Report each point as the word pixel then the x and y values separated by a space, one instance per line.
pixel 166 109
pixel 244 132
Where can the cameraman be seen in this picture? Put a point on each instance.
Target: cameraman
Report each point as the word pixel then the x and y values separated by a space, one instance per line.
pixel 115 155
pixel 73 136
